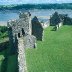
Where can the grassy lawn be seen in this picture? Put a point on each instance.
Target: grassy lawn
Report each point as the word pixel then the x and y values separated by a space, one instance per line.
pixel 54 54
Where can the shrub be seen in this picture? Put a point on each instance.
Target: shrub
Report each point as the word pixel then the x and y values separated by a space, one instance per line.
pixel 3 31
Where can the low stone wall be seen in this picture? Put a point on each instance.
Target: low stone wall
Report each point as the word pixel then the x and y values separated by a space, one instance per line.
pixel 30 41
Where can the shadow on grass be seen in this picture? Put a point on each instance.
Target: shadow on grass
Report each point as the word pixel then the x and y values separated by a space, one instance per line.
pixel 7 62
pixel 54 29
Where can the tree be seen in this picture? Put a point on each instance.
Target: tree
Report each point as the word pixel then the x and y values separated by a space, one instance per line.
pixel 55 19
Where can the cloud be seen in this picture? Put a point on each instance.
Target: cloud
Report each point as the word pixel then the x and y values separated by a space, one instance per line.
pixel 33 1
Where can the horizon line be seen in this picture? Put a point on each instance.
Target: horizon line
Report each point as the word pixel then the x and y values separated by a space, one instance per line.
pixel 34 3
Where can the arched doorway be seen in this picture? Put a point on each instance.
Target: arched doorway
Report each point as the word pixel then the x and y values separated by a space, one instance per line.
pixel 23 33
pixel 18 35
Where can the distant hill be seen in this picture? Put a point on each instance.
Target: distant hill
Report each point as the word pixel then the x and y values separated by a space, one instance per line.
pixel 36 6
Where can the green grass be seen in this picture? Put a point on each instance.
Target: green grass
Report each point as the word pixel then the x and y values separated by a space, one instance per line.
pixel 12 64
pixel 54 54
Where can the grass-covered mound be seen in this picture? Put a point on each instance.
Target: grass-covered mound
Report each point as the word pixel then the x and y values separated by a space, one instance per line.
pixel 54 54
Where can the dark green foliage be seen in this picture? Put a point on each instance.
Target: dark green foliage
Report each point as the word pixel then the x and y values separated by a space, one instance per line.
pixel 3 31
pixel 4 51
pixel 55 19
pixel 62 16
pixel 4 45
pixel 8 62
pixel 37 6
pixel 4 65
pixel 67 21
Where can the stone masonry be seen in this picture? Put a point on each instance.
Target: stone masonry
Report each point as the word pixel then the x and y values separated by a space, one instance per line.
pixel 20 36
pixel 21 56
pixel 20 27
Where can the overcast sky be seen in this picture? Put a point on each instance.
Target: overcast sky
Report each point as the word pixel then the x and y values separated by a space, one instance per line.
pixel 33 1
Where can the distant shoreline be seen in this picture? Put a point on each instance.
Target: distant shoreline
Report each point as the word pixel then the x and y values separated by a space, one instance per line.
pixel 36 6
pixel 3 23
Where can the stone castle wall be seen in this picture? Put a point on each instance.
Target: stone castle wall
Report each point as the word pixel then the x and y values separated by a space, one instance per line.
pixel 20 27
pixel 23 33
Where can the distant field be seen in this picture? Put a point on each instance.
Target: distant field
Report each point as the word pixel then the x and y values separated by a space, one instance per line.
pixel 53 54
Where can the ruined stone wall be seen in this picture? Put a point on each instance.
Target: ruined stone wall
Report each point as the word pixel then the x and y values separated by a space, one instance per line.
pixel 27 16
pixel 20 24
pixel 30 41
pixel 37 29
pixel 23 33
pixel 21 27
pixel 21 56
pixel 20 38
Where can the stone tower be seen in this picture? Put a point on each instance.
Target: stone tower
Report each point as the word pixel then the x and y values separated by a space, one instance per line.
pixel 21 27
pixel 20 36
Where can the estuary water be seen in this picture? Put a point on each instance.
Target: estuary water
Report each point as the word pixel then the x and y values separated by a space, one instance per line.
pixel 14 14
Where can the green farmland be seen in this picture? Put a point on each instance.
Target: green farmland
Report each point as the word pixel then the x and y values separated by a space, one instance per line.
pixel 53 54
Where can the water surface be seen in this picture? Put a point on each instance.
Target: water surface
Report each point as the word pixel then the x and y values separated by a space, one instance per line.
pixel 9 15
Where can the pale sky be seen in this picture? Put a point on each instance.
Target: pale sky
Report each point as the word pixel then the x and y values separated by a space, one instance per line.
pixel 33 1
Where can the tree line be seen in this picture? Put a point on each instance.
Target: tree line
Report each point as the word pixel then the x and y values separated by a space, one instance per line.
pixel 37 6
